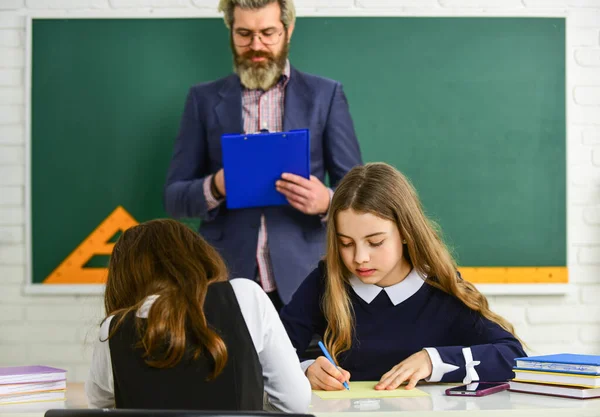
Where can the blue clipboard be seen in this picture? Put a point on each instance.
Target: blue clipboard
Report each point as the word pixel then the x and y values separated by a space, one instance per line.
pixel 253 163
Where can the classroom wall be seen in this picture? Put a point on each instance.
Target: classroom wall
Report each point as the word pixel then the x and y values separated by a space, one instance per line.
pixel 57 330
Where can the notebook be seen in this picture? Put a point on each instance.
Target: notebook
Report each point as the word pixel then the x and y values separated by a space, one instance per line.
pixel 559 378
pixel 21 388
pixel 366 389
pixel 32 397
pixel 34 373
pixel 555 390
pixel 562 362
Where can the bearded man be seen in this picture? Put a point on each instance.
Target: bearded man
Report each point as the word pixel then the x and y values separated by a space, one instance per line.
pixel 276 246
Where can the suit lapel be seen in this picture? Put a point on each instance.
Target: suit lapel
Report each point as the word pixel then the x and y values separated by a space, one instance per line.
pixel 229 108
pixel 297 103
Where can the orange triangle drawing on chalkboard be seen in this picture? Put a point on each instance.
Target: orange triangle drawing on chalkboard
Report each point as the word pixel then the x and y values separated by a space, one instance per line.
pixel 72 270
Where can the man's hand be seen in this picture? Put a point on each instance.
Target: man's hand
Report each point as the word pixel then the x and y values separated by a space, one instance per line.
pixel 308 196
pixel 220 182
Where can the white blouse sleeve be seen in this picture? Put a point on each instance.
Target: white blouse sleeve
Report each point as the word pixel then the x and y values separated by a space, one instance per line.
pixel 99 387
pixel 286 386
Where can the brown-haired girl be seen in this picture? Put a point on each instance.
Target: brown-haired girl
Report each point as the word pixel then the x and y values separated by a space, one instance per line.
pixel 178 335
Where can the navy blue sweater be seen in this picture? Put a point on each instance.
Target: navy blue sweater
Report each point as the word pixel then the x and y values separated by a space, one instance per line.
pixel 385 334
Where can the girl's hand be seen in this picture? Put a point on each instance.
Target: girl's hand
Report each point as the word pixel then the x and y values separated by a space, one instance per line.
pixel 412 369
pixel 323 375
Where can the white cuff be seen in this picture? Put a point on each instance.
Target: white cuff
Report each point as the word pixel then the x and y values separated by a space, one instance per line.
pixel 305 364
pixel 438 367
pixel 470 372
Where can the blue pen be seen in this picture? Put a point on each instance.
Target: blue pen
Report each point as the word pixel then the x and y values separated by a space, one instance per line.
pixel 330 359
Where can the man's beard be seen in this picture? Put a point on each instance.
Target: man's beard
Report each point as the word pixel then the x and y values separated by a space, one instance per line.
pixel 260 75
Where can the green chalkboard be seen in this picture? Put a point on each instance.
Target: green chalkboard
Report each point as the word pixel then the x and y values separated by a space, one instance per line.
pixel 471 109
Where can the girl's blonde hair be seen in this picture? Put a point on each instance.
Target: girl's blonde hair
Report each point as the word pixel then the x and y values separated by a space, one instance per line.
pixel 381 190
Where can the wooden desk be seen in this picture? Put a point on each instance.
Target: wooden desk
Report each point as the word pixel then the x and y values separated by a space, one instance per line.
pixel 505 403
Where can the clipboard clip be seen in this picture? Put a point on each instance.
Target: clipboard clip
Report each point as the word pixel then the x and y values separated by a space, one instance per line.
pixel 267 131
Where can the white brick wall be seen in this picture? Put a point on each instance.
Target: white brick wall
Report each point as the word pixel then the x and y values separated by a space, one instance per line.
pixel 56 330
pixel 67 4
pixel 11 197
pixel 13 134
pixel 10 77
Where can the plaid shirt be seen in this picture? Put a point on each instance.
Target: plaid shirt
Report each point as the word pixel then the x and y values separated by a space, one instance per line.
pixel 260 110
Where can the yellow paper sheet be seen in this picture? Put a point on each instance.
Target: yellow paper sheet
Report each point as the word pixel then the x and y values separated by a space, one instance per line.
pixel 366 389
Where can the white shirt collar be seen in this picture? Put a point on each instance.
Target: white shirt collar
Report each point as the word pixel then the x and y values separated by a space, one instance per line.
pixel 397 292
pixel 145 308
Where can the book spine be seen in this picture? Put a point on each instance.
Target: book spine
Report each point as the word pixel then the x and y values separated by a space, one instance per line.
pixel 32 387
pixel 559 367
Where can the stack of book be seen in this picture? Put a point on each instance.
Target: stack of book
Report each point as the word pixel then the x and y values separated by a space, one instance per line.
pixel 25 384
pixel 562 375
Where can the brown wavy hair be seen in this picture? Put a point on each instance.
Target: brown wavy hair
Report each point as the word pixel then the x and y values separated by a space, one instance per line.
pixel 381 190
pixel 166 258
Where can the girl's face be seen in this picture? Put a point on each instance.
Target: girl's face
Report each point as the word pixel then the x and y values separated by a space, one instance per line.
pixel 371 248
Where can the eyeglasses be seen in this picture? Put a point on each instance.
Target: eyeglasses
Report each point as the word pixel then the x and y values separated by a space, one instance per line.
pixel 270 36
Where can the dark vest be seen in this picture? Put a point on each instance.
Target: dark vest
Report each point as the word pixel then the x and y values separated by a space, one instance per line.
pixel 238 387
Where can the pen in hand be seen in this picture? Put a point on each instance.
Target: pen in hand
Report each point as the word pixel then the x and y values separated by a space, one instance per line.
pixel 330 359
